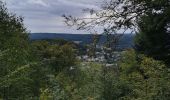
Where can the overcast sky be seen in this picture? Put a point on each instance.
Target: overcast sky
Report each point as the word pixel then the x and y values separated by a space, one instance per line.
pixel 45 15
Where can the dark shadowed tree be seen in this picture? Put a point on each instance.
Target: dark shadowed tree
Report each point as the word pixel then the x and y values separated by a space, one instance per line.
pixel 153 37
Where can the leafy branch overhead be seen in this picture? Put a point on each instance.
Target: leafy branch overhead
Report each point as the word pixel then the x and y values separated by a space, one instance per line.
pixel 117 14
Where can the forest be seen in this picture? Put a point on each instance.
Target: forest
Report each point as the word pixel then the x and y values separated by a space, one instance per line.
pixel 50 69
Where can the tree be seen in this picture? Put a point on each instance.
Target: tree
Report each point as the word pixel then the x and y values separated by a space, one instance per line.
pixel 153 37
pixel 146 76
pixel 117 14
pixel 16 60
pixel 57 57
pixel 11 28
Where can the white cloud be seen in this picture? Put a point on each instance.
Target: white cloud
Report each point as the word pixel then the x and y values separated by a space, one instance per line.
pixel 45 15
pixel 78 4
pixel 38 2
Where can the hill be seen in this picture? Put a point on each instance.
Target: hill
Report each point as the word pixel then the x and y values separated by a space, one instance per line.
pixel 126 40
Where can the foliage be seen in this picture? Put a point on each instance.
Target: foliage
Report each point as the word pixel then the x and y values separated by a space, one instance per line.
pixel 15 58
pixel 49 70
pixel 147 77
pixel 117 14
pixel 153 36
pixel 57 56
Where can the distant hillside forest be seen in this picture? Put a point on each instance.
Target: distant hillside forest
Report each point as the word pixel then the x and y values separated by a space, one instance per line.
pixel 126 41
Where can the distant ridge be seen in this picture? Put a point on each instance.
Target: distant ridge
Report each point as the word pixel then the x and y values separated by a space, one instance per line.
pixel 125 42
pixel 66 36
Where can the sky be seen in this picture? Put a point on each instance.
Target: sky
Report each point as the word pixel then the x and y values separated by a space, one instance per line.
pixel 44 16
